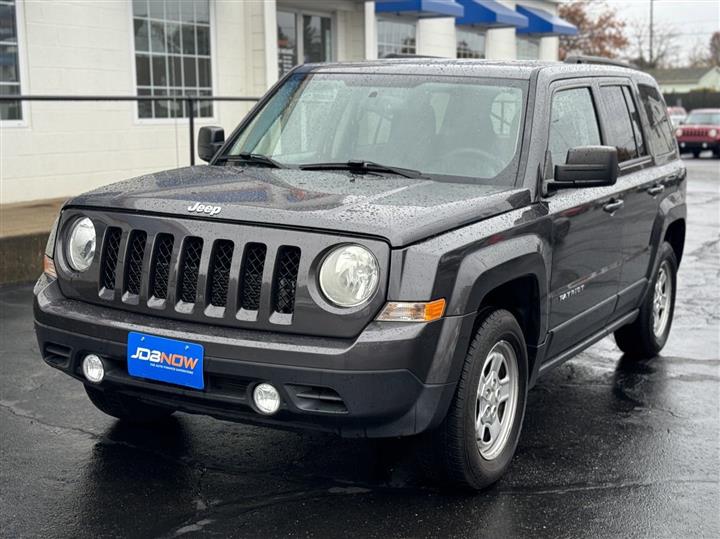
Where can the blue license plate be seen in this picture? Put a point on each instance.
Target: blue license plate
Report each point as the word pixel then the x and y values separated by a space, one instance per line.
pixel 165 360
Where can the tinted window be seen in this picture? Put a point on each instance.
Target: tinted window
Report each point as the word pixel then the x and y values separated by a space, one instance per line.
pixel 618 125
pixel 660 138
pixel 573 123
pixel 635 118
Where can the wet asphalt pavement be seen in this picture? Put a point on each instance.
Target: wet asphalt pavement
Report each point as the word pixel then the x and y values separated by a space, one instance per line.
pixel 610 447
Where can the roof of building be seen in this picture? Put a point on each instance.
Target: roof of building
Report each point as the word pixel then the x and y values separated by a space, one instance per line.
pixel 680 74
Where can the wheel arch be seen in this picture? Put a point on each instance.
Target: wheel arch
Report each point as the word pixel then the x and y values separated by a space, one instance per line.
pixel 510 279
pixel 675 236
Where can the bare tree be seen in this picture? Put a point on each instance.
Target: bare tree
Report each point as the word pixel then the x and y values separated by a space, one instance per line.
pixel 599 35
pixel 715 49
pixel 664 51
pixel 705 54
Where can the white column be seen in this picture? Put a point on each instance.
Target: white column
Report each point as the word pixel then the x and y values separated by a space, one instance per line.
pixel 370 31
pixel 549 48
pixel 436 37
pixel 271 40
pixel 500 44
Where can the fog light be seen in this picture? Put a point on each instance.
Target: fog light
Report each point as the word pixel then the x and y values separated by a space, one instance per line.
pixel 266 399
pixel 93 368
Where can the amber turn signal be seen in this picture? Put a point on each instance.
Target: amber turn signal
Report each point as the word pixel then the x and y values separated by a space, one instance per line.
pixel 412 311
pixel 49 267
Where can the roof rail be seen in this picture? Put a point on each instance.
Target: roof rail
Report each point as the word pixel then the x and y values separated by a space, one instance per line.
pixel 395 55
pixel 598 60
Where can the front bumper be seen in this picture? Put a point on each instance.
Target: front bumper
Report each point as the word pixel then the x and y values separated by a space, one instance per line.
pixel 688 145
pixel 393 380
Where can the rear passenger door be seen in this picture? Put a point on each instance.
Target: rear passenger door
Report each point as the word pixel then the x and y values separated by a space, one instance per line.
pixel 587 227
pixel 640 182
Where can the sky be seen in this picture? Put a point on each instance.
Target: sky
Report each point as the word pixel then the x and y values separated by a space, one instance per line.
pixel 694 21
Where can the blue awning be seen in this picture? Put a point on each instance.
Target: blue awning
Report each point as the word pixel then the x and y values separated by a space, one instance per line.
pixel 420 8
pixel 543 22
pixel 490 13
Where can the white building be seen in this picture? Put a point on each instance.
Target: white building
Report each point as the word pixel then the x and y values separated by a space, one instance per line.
pixel 203 47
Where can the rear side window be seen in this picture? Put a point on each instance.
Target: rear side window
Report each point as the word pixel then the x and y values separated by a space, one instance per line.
pixel 660 138
pixel 635 118
pixel 619 126
pixel 573 123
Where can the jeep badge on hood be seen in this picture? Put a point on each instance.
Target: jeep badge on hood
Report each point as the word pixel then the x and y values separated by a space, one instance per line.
pixel 204 208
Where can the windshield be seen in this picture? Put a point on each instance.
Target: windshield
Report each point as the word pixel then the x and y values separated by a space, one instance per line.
pixel 703 118
pixel 439 126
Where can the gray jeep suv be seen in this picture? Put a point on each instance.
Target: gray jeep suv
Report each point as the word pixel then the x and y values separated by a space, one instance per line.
pixel 380 249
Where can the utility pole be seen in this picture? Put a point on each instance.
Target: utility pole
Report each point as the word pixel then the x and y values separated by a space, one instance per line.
pixel 650 55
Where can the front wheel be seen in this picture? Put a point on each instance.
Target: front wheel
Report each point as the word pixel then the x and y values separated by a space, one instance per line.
pixel 647 335
pixel 474 445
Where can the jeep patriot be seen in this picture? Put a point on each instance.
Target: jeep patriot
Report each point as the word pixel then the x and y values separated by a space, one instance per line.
pixel 380 249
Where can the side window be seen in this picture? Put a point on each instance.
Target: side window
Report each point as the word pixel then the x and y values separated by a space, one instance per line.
pixel 619 127
pixel 635 118
pixel 573 123
pixel 660 137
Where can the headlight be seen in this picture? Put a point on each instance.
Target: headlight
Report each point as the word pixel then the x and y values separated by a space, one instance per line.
pixel 81 244
pixel 678 133
pixel 349 275
pixel 712 132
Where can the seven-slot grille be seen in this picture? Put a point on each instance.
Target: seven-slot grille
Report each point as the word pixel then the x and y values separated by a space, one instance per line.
pixel 694 131
pixel 180 268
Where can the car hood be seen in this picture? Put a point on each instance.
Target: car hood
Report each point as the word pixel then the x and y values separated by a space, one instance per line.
pixel 698 126
pixel 400 210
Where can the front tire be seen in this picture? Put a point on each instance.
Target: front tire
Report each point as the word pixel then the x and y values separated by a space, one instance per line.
pixel 475 443
pixel 647 335
pixel 126 408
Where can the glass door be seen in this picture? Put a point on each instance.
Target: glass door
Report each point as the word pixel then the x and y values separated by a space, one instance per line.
pixel 287 41
pixel 303 37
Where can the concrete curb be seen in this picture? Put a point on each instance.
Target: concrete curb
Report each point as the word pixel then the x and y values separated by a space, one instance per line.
pixel 24 230
pixel 21 257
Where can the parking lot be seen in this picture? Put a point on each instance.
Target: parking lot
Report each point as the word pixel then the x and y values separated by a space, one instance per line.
pixel 611 446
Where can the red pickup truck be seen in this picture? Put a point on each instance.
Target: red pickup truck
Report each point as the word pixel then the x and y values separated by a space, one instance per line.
pixel 699 132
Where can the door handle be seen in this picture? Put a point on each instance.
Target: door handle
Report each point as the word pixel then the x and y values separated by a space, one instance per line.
pixel 655 190
pixel 612 207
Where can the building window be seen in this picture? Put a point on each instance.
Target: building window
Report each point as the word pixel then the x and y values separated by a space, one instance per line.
pixel 316 43
pixel 528 48
pixel 172 55
pixel 395 37
pixel 470 44
pixel 9 62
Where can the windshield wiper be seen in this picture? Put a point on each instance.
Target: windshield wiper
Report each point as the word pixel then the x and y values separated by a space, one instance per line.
pixel 365 166
pixel 258 158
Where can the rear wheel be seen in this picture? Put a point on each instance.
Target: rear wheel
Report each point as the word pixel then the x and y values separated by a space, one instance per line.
pixel 647 335
pixel 126 408
pixel 474 445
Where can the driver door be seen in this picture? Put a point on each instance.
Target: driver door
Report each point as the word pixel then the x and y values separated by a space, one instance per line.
pixel 586 236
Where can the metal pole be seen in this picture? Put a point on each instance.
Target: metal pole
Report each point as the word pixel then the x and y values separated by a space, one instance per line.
pixel 650 57
pixel 191 122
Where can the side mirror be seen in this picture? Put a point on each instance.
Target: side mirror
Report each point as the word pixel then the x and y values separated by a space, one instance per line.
pixel 587 166
pixel 210 140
